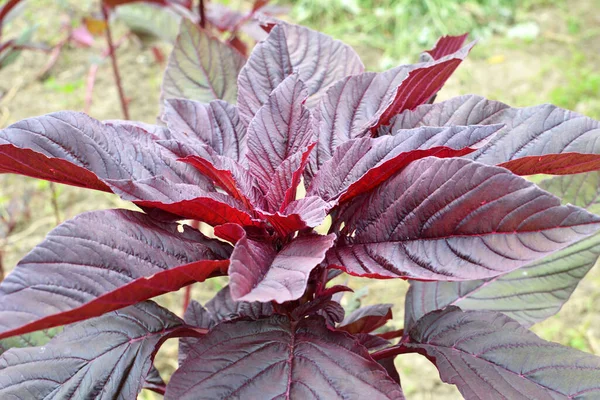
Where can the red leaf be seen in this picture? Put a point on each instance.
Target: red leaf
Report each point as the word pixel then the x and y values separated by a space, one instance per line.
pixel 281 359
pixel 447 45
pixel 454 219
pixel 260 272
pixel 99 262
pixel 555 164
pixel 319 59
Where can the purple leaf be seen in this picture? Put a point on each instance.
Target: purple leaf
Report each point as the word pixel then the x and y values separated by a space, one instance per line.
pixel 99 262
pixel 216 124
pixel 367 319
pixel 360 165
pixel 372 342
pixel 278 359
pixel 319 59
pixel 454 219
pixel 223 307
pixel 529 294
pixel 260 272
pixel 199 317
pixel 535 140
pixel 488 355
pixel 357 105
pixel 186 201
pixel 88 359
pixel 72 148
pixel 280 130
pixel 307 212
pixel 201 67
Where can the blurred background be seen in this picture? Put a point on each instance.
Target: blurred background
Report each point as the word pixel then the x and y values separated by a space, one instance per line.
pixel 528 52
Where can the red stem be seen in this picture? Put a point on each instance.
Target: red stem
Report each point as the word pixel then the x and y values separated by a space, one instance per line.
pixel 202 12
pixel 187 298
pixel 113 57
pixel 1 265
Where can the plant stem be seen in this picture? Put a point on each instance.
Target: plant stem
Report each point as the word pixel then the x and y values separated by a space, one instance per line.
pixel 186 298
pixel 1 265
pixel 202 13
pixel 115 66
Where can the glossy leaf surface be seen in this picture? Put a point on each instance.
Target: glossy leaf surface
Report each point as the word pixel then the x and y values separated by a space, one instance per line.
pixel 99 262
pixel 280 359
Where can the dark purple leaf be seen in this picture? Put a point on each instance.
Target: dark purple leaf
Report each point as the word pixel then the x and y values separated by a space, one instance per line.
pixel 488 355
pixel 371 342
pixel 103 358
pixel 529 294
pixel 223 307
pixel 319 59
pixel 99 262
pixel 278 359
pixel 357 105
pixel 159 132
pixel 196 316
pixel 155 382
pixel 72 148
pixel 359 165
pixel 216 124
pixel 260 272
pixel 201 67
pixel 541 139
pixel 277 138
pixel 454 219
pixel 367 319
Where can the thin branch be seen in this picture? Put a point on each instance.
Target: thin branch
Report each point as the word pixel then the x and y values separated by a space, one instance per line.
pixel 113 57
pixel 202 13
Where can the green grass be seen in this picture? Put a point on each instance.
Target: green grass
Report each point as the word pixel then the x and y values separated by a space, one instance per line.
pixel 391 32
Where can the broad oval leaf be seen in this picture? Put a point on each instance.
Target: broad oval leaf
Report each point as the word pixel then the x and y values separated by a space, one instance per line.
pixel 454 219
pixel 356 105
pixel 223 307
pixel 102 358
pixel 542 139
pixel 487 355
pixel 216 124
pixel 277 358
pixel 201 67
pixel 359 165
pixel 529 295
pixel 260 272
pixel 99 262
pixel 532 293
pixel 319 59
pixel 281 129
pixel 75 149
pixel 366 319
